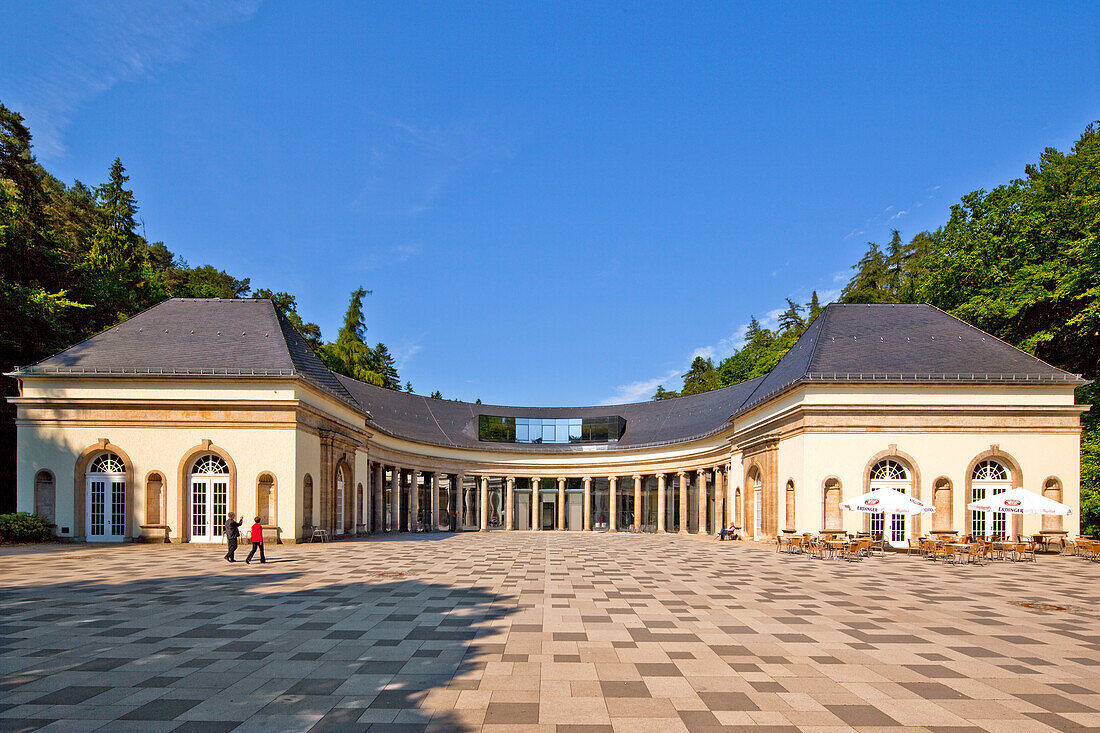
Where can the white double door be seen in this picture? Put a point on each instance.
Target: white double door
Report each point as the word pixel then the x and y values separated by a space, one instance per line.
pixel 893 527
pixel 105 516
pixel 209 504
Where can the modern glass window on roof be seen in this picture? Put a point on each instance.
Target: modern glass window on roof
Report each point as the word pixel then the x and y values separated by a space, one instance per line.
pixel 559 430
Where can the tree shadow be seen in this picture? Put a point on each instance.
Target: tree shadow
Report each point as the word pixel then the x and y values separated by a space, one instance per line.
pixel 273 650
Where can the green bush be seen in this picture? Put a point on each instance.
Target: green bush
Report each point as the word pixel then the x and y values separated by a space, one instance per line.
pixel 24 527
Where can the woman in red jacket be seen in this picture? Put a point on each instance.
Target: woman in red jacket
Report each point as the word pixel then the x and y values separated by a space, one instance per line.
pixel 257 542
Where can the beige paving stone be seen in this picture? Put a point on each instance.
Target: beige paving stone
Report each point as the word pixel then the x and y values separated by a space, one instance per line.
pixel 579 711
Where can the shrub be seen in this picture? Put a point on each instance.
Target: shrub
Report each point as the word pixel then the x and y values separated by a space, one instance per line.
pixel 24 527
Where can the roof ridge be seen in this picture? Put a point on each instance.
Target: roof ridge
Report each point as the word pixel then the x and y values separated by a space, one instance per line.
pixel 282 335
pixel 817 339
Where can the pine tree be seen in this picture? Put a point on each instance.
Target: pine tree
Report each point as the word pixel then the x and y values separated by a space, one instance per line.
pixel 753 330
pixel 437 395
pixel 349 355
pixel 791 319
pixel 387 367
pixel 664 394
pixel 409 387
pixel 813 308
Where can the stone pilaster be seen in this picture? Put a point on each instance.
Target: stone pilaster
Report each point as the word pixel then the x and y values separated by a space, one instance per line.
pixel 536 503
pixel 510 504
pixel 414 499
pixel 395 499
pixel 435 502
pixel 637 502
pixel 613 505
pixel 586 525
pixel 561 504
pixel 483 504
pixel 701 476
pixel 681 482
pixel 661 503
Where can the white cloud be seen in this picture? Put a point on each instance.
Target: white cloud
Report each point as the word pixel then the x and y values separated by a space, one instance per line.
pixel 404 352
pixel 642 390
pixel 108 43
pixel 377 257
pixel 411 165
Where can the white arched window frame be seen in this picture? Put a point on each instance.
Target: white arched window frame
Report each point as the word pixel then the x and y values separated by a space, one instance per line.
pixel 757 506
pixel 106 500
pixel 890 473
pixel 209 498
pixel 989 478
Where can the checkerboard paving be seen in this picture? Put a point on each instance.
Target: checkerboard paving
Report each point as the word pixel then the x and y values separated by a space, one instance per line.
pixel 541 631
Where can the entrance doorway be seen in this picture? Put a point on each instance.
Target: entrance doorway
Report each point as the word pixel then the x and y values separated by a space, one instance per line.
pixel 105 516
pixel 209 498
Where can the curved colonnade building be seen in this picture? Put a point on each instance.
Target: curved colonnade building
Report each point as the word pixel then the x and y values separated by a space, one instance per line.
pixel 157 427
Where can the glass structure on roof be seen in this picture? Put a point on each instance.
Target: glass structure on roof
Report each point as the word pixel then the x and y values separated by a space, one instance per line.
pixel 550 430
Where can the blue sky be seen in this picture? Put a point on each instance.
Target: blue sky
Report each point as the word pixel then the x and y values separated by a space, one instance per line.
pixel 553 203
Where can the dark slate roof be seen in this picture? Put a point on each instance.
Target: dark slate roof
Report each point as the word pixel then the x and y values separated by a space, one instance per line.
pixel 846 343
pixel 452 423
pixel 910 343
pixel 197 337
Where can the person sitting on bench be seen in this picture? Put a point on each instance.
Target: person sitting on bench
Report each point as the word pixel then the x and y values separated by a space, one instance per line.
pixel 728 531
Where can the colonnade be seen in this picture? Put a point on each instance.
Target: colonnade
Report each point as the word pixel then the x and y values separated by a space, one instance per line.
pixel 453 503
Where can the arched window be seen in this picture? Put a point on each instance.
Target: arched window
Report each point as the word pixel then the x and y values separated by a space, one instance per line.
pixel 988 470
pixel 209 497
pixel 154 495
pixel 45 495
pixel 265 500
pixel 210 465
pixel 737 507
pixel 989 478
pixel 105 506
pixel 889 470
pixel 307 501
pixel 790 505
pixel 890 473
pixel 107 463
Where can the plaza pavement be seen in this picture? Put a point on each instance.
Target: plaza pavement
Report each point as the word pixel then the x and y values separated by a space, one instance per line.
pixel 541 631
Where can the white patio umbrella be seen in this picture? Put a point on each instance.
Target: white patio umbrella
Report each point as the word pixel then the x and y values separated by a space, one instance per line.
pixel 887 501
pixel 1020 501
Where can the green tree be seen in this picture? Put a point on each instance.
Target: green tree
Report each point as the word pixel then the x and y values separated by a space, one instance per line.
pixel 409 387
pixel 437 395
pixel 701 377
pixel 387 366
pixel 869 285
pixel 813 309
pixel 207 281
pixel 791 319
pixel 288 305
pixel 664 394
pixel 349 354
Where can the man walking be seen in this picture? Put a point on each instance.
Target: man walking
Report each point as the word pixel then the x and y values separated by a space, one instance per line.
pixel 257 542
pixel 232 532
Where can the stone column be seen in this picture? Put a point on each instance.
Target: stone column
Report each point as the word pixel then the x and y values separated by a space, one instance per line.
pixel 395 499
pixel 682 485
pixel 536 503
pixel 637 503
pixel 719 495
pixel 586 525
pixel 435 501
pixel 483 504
pixel 660 503
pixel 414 498
pixel 702 476
pixel 378 508
pixel 561 504
pixel 732 508
pixel 509 504
pixel 613 505
pixel 459 505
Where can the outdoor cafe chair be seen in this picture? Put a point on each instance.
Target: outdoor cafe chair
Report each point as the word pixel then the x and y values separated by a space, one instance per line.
pixel 976 553
pixel 951 554
pixel 1069 547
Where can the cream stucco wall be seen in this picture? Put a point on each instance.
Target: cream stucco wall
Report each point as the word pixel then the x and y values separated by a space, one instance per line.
pixel 253 451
